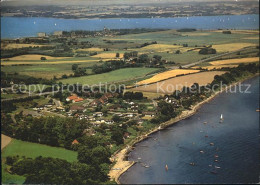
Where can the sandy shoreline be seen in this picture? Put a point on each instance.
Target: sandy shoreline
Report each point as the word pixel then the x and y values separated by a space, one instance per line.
pixel 122 165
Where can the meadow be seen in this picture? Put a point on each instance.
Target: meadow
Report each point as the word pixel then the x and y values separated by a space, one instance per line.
pixel 177 83
pixel 113 76
pixel 32 150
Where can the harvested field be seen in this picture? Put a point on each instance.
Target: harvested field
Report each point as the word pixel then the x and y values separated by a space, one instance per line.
pixel 108 55
pixel 36 57
pixel 160 48
pixel 235 61
pixel 170 85
pixel 214 67
pixel 5 140
pixel 13 46
pixel 231 46
pixel 91 49
pixel 166 75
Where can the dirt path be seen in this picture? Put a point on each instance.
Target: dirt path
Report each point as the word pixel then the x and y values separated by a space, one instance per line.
pixel 5 140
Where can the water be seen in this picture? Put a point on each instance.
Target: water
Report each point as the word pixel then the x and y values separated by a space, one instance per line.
pixel 237 140
pixel 15 27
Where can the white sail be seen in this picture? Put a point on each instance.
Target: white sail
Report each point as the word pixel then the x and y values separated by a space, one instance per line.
pixel 221 116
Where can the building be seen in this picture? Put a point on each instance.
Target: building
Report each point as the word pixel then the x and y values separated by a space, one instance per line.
pixel 77 100
pixel 74 99
pixel 41 34
pixel 77 108
pixel 58 33
pixel 149 114
pixel 75 141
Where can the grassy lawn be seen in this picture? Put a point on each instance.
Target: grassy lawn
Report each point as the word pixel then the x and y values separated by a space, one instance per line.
pixel 28 149
pixel 113 76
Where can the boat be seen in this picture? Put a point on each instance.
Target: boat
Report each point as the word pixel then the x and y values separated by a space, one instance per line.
pixel 159 128
pixel 192 164
pixel 202 151
pixel 205 122
pixel 139 158
pixel 216 160
pixel 217 167
pixel 221 118
pixel 211 144
pixel 210 165
pixel 216 156
pixel 166 167
pixel 257 110
pixel 206 136
pixel 147 166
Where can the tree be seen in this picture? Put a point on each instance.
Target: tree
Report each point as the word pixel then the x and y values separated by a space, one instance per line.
pixel 117 55
pixel 117 136
pixel 43 58
pixel 74 67
pixel 116 118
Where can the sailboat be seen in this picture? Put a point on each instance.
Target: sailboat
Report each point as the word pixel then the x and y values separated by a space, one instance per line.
pixel 166 167
pixel 221 118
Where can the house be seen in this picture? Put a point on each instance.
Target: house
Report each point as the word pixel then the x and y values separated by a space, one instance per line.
pixel 114 107
pixel 130 115
pixel 149 114
pixel 58 33
pixel 60 108
pixel 75 142
pixel 74 98
pixel 41 34
pixel 77 100
pixel 95 103
pixel 126 135
pixel 77 108
pixel 98 114
pixel 70 98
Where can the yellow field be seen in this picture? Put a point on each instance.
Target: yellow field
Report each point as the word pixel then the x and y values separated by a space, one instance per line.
pixel 166 75
pixel 235 61
pixel 195 34
pixel 240 31
pixel 231 47
pixel 91 49
pixel 13 46
pixel 35 57
pixel 215 67
pixel 107 55
pixel 253 38
pixel 170 85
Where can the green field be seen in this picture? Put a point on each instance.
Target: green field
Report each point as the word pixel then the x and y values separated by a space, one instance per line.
pixel 113 76
pixel 27 149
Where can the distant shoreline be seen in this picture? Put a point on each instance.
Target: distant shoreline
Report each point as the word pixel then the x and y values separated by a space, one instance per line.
pixel 148 17
pixel 121 155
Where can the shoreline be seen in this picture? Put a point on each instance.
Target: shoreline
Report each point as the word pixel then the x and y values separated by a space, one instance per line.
pixel 123 165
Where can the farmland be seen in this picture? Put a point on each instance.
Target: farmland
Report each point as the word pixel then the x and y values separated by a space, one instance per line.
pixel 235 61
pixel 114 76
pixel 177 83
pixel 27 149
pixel 166 75
pixel 167 43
